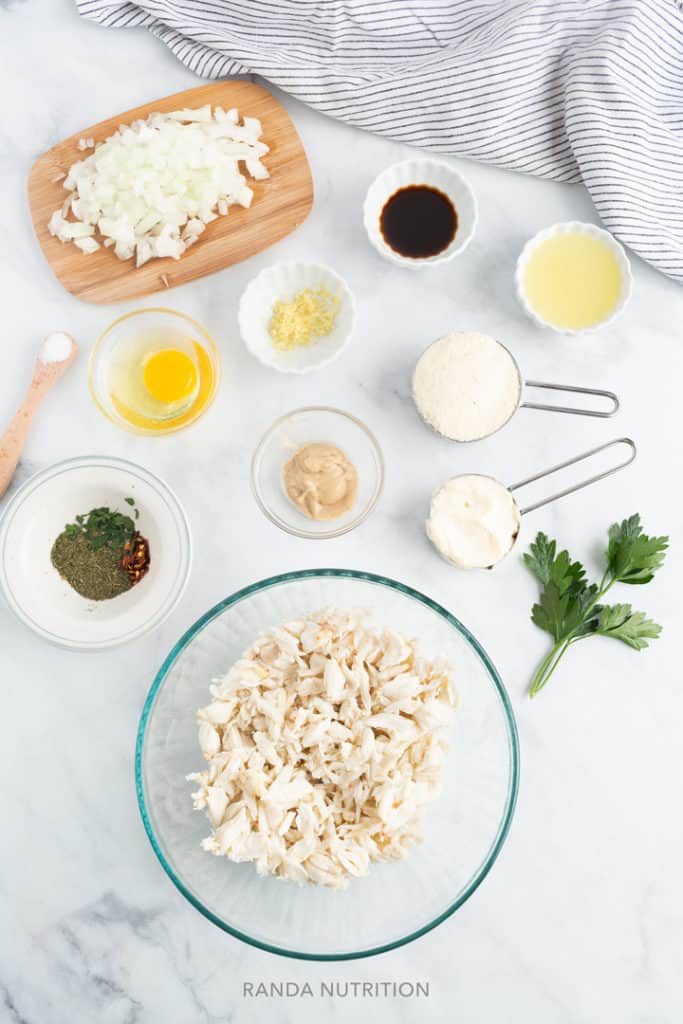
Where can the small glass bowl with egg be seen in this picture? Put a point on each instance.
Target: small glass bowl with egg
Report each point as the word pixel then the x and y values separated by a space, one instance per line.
pixel 154 371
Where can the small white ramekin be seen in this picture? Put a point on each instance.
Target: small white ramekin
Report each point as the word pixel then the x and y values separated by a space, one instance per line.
pixel 421 171
pixel 574 227
pixel 284 281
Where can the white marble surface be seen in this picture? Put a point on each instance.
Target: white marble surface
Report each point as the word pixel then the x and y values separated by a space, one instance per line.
pixel 581 918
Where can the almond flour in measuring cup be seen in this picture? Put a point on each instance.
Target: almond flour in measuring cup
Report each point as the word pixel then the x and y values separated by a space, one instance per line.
pixel 466 386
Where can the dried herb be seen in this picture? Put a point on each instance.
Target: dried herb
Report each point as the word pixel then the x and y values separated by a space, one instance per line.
pixel 94 573
pixel 101 554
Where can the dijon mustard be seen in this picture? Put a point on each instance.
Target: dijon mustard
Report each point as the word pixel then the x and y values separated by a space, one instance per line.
pixel 321 481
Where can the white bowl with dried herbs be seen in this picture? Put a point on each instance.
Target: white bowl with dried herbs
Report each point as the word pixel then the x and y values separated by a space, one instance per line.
pixel 94 552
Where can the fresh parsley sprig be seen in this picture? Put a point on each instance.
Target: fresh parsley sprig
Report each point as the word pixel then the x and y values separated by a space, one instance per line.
pixel 570 608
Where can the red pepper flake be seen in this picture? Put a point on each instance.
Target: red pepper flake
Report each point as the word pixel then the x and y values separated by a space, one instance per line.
pixel 135 558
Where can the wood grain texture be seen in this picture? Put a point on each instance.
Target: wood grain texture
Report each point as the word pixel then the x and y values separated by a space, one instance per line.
pixel 280 204
pixel 45 376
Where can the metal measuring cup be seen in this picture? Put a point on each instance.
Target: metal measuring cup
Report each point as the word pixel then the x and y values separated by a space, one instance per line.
pixel 524 385
pixel 518 512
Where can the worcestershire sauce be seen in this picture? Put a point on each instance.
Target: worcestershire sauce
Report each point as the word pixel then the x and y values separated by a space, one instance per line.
pixel 418 221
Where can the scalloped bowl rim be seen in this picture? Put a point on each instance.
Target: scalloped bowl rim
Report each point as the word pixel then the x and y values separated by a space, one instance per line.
pixel 566 228
pixel 457 245
pixel 297 266
pixel 508 714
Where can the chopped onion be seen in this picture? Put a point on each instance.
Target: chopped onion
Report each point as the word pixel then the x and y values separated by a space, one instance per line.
pixel 152 187
pixel 87 245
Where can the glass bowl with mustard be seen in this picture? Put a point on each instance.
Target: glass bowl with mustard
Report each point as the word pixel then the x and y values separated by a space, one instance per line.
pixel 317 472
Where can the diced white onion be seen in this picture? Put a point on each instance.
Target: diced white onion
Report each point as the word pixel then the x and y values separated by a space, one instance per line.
pixel 152 187
pixel 87 245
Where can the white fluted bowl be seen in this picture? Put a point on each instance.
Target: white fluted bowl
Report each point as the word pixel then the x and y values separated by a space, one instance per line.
pixel 565 228
pixel 282 282
pixel 421 171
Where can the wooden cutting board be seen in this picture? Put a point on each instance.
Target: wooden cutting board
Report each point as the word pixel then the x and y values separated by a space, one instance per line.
pixel 280 204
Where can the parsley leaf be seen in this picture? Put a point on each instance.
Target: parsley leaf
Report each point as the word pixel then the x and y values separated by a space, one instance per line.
pixel 560 570
pixel 561 612
pixel 632 557
pixel 634 628
pixel 570 609
pixel 540 557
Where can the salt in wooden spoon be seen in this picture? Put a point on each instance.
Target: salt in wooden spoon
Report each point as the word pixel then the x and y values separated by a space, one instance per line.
pixel 56 355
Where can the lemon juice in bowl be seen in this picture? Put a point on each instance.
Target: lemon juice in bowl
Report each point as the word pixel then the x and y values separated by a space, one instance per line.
pixel 573 277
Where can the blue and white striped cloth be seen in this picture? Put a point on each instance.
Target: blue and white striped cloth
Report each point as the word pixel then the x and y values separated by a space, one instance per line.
pixel 573 90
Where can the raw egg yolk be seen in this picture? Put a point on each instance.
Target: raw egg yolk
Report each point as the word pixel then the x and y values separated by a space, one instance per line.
pixel 170 375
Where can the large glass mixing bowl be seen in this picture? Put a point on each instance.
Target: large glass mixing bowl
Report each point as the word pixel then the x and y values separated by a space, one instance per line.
pixel 464 828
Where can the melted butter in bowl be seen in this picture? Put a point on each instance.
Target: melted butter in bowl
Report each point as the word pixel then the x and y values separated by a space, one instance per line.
pixel 321 481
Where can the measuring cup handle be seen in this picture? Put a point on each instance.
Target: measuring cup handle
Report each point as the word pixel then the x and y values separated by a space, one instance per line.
pixel 600 413
pixel 571 462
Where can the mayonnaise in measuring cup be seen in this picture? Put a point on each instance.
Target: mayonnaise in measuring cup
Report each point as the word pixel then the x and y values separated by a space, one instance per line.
pixel 473 521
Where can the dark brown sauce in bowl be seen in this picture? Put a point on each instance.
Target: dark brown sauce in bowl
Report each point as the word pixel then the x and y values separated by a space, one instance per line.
pixel 418 221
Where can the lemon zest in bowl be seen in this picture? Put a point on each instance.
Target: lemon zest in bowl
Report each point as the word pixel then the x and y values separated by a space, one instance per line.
pixel 310 315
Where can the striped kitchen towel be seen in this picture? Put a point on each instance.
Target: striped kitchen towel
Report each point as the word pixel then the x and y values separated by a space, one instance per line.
pixel 573 90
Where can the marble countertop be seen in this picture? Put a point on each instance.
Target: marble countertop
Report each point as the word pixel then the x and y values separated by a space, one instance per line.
pixel 581 918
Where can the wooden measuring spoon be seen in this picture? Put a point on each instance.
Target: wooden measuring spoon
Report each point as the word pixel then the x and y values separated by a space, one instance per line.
pixel 56 355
